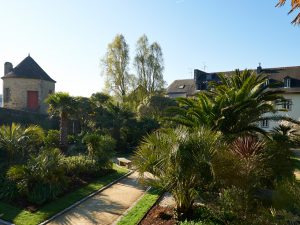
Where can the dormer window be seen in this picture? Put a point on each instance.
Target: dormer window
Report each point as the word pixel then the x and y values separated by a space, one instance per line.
pixel 181 86
pixel 287 82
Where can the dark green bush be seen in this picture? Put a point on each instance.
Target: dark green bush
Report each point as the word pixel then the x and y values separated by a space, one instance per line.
pixel 42 178
pixel 287 196
pixel 8 189
pixel 81 166
pixel 100 148
pixel 52 139
pixel 279 161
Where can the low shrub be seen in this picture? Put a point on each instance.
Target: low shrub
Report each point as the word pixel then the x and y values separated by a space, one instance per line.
pixel 287 196
pixel 52 139
pixel 81 166
pixel 279 160
pixel 101 148
pixel 42 178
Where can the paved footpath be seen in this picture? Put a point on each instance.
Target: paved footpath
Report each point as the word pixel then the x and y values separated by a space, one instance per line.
pixel 105 207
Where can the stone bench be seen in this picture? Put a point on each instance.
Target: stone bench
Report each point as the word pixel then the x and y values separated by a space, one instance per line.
pixel 124 162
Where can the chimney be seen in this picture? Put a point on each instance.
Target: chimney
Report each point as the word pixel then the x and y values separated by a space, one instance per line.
pixel 259 69
pixel 199 78
pixel 8 67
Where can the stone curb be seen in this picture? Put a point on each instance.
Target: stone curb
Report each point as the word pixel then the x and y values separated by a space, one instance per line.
pixel 84 199
pixel 5 222
pixel 133 205
pixel 155 203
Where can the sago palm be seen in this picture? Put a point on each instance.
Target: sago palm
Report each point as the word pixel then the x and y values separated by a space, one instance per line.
pixel 180 162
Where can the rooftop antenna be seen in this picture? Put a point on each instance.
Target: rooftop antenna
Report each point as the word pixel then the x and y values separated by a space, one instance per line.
pixel 191 72
pixel 204 66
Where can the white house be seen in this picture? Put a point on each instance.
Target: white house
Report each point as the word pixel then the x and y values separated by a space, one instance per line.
pixel 287 79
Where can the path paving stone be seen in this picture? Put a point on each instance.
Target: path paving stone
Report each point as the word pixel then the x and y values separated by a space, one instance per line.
pixel 105 207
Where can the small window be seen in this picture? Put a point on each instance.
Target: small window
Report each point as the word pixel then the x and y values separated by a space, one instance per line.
pixel 287 82
pixel 208 77
pixel 264 123
pixel 50 92
pixel 267 82
pixel 6 95
pixel 181 86
pixel 287 104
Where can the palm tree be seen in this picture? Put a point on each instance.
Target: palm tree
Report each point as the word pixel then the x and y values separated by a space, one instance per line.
pixel 233 106
pixel 295 4
pixel 17 140
pixel 180 162
pixel 286 133
pixel 63 105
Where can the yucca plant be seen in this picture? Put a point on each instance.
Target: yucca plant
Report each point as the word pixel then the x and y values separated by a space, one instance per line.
pixel 180 161
pixel 247 146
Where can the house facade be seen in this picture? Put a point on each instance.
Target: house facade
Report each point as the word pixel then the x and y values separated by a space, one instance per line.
pixel 286 79
pixel 26 86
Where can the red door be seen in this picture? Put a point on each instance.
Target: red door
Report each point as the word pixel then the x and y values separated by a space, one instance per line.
pixel 32 100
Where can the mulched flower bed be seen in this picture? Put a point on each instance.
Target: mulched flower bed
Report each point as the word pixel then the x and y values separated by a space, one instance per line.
pixel 159 215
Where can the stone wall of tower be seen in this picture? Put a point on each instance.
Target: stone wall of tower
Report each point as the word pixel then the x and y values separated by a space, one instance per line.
pixel 15 92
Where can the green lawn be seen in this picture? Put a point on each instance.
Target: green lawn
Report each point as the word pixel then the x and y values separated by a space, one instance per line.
pixel 296 162
pixel 140 209
pixel 22 217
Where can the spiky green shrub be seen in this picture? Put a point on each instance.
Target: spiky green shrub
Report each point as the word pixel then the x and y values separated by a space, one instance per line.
pixel 20 141
pixel 100 148
pixel 52 139
pixel 180 161
pixel 42 178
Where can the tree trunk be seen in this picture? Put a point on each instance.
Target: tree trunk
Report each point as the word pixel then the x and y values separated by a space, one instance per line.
pixel 63 132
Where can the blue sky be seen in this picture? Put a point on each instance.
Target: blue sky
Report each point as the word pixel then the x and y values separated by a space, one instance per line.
pixel 69 37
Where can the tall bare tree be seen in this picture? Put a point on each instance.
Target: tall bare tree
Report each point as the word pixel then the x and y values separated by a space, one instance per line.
pixel 295 4
pixel 116 63
pixel 149 65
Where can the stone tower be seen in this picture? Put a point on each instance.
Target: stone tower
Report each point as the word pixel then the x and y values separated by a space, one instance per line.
pixel 26 86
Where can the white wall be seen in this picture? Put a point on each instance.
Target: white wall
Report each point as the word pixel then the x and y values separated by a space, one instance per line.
pixel 293 113
pixel 176 95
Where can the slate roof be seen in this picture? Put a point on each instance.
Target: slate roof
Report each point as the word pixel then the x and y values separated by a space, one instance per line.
pixel 189 87
pixel 277 74
pixel 282 72
pixel 28 68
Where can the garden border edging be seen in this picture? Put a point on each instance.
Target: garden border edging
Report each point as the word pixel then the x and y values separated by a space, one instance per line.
pixel 133 205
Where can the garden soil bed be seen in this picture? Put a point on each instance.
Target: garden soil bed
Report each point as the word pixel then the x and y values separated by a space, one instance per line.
pixel 159 215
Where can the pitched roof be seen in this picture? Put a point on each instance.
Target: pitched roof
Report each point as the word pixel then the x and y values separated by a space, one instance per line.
pixel 187 86
pixel 28 68
pixel 278 74
pixel 282 72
